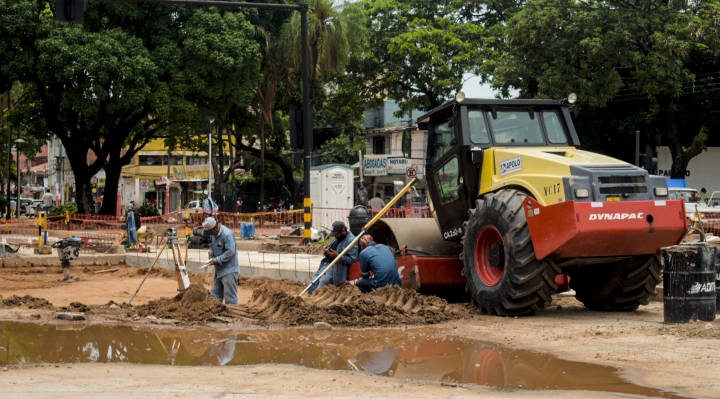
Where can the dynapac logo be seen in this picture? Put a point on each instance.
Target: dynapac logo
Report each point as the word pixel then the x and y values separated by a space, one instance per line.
pixel 616 216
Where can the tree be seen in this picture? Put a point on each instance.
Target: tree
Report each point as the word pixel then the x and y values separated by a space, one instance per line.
pixel 335 33
pixel 129 71
pixel 418 51
pixel 611 50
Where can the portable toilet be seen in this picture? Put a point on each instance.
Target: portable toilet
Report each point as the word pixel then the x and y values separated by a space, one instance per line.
pixel 331 193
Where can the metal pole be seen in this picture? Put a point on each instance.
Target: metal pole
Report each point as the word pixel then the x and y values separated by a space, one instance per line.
pixel 209 161
pixel 307 122
pixel 637 148
pixel 17 186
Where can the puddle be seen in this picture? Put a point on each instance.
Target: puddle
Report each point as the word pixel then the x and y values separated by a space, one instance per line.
pixel 425 354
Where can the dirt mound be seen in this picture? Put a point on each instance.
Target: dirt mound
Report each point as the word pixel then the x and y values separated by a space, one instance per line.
pixel 157 272
pixel 289 286
pixel 698 329
pixel 311 249
pixel 194 306
pixel 27 301
pixel 77 307
pixel 347 306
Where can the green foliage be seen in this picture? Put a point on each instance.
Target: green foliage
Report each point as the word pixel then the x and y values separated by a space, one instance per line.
pixel 148 210
pixel 644 56
pixel 417 51
pixel 126 73
pixel 342 149
pixel 61 209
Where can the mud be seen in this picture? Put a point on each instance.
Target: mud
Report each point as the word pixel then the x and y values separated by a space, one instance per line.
pixel 194 306
pixel 288 286
pixel 27 302
pixel 311 249
pixel 347 306
pixel 157 272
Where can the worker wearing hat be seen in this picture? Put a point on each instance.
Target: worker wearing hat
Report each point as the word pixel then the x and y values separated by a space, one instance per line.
pixel 380 260
pixel 207 203
pixel 223 256
pixel 132 224
pixel 338 274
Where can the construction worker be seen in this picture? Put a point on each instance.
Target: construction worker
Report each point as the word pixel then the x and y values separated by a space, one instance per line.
pixel 380 260
pixel 132 224
pixel 338 274
pixel 223 256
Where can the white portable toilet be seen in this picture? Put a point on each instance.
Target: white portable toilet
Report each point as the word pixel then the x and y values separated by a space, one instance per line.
pixel 331 193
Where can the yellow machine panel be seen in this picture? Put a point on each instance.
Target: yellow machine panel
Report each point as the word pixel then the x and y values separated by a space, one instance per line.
pixel 537 170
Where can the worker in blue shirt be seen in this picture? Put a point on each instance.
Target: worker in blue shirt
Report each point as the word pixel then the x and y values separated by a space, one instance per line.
pixel 223 256
pixel 338 274
pixel 380 260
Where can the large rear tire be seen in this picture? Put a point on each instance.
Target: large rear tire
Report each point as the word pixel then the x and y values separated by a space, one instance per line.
pixel 503 275
pixel 619 286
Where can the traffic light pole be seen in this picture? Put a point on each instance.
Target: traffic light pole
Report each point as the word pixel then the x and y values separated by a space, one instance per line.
pixel 307 114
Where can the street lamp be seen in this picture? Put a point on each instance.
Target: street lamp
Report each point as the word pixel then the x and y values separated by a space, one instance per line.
pixel 210 120
pixel 17 177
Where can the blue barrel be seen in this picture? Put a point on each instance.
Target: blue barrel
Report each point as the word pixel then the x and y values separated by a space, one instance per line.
pixel 689 283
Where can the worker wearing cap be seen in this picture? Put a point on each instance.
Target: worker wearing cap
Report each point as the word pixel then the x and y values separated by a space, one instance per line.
pixel 380 260
pixel 338 274
pixel 223 256
pixel 207 203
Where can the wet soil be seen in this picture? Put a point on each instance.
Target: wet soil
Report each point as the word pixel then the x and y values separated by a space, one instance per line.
pixel 26 302
pixel 347 306
pixel 194 306
pixel 426 354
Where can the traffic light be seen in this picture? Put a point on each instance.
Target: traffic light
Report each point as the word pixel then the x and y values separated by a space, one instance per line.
pixel 69 10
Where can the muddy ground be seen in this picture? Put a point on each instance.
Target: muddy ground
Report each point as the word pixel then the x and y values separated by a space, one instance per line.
pixel 682 358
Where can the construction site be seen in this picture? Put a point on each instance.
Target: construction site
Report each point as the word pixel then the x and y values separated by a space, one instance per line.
pixel 537 270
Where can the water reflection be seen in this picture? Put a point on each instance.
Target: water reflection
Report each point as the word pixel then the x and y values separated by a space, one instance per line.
pixel 413 354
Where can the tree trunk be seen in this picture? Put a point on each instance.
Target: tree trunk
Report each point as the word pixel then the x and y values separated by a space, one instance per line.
pixel 113 170
pixel 670 135
pixel 262 163
pixel 83 188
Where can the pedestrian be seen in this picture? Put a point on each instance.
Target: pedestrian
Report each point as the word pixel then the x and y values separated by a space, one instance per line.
pixel 13 207
pixel 703 194
pixel 377 202
pixel 47 200
pixel 132 224
pixel 362 195
pixel 207 203
pixel 223 256
pixel 380 260
pixel 239 205
pixel 338 274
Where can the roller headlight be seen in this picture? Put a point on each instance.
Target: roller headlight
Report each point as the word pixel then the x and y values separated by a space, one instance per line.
pixel 582 193
pixel 661 191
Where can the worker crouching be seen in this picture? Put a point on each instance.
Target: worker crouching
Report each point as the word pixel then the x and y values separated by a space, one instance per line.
pixel 380 260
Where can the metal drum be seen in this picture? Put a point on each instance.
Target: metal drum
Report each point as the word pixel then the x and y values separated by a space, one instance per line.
pixel 689 283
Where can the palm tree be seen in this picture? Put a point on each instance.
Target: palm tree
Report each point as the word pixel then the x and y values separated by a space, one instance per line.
pixel 334 34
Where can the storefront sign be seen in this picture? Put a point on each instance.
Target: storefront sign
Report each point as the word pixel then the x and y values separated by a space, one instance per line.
pixel 398 166
pixel 375 166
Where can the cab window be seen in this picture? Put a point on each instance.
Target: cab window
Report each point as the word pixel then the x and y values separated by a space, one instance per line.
pixel 555 131
pixel 443 136
pixel 516 127
pixel 478 129
pixel 446 180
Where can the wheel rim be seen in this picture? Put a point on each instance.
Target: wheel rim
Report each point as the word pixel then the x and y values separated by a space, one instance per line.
pixel 489 256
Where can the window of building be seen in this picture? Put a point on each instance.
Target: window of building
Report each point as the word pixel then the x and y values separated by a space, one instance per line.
pixel 379 145
pixel 197 160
